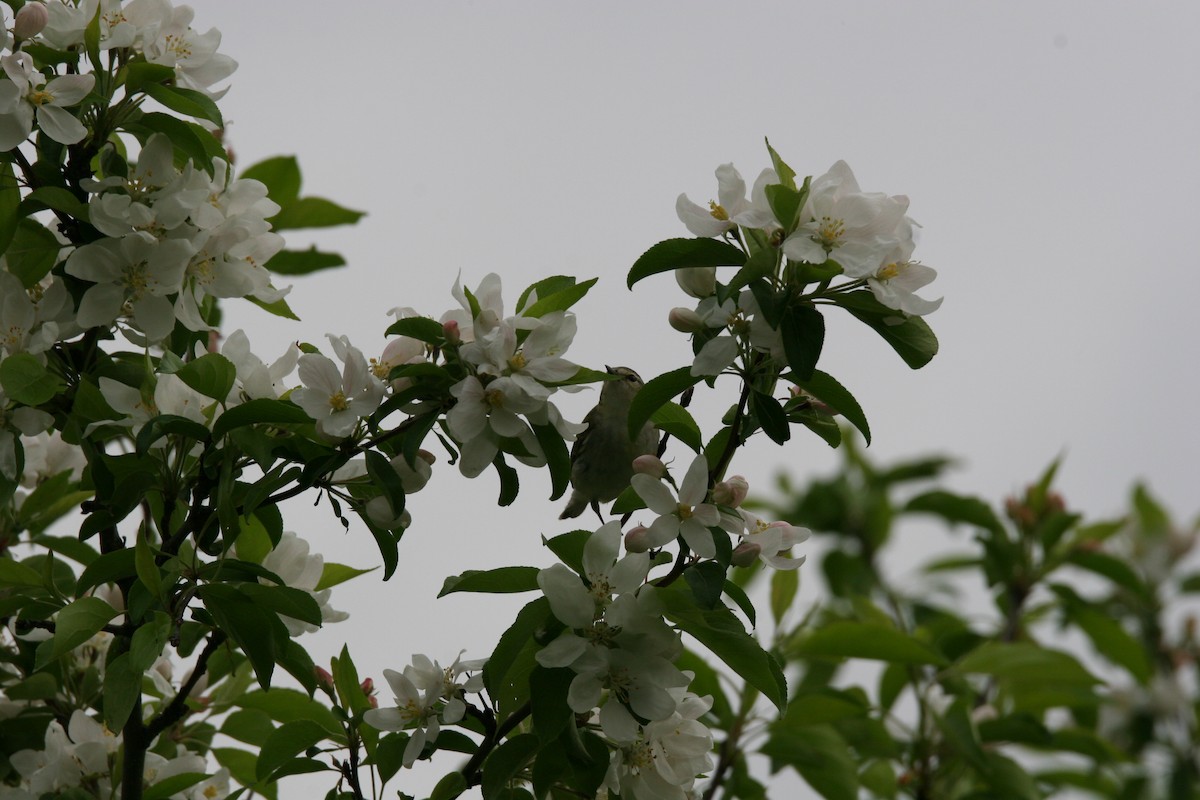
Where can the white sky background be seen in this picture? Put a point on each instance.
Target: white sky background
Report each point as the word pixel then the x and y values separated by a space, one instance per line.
pixel 1049 150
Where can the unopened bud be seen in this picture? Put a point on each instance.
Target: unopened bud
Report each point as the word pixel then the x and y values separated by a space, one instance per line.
pixel 379 511
pixel 427 457
pixel 745 554
pixel 30 20
pixel 699 282
pixel 649 465
pixel 685 320
pixel 637 540
pixel 323 677
pixel 451 332
pixel 731 492
pixel 368 686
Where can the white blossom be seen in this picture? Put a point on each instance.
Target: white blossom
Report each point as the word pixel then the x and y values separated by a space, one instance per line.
pixel 26 96
pixel 337 400
pixel 686 515
pixel 301 569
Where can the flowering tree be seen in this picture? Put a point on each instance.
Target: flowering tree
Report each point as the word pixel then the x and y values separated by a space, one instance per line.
pixel 152 592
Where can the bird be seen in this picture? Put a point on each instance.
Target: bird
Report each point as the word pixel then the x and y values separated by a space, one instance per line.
pixel 602 456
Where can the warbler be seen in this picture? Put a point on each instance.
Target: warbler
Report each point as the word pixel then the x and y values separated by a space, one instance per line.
pixel 602 456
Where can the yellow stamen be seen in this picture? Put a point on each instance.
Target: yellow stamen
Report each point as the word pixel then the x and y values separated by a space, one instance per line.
pixel 338 402
pixel 718 211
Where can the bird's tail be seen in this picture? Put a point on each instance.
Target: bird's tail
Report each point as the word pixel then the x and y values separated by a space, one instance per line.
pixel 575 506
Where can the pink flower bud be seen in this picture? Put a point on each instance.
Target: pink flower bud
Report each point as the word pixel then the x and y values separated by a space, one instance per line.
pixel 731 492
pixel 649 465
pixel 323 677
pixel 685 320
pixel 451 332
pixel 30 20
pixel 636 540
pixel 745 554
pixel 368 686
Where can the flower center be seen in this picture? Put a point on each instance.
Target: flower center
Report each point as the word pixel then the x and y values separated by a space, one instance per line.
pixel 830 231
pixel 888 271
pixel 494 398
pixel 338 402
pixel 718 211
pixel 380 369
pixel 685 511
pixel 40 97
pixel 136 281
pixel 518 361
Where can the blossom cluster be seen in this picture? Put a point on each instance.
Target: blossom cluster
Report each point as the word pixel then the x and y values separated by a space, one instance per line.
pixel 426 696
pixel 622 653
pixel 865 237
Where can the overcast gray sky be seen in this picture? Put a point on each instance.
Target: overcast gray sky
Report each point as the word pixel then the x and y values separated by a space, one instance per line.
pixel 1049 151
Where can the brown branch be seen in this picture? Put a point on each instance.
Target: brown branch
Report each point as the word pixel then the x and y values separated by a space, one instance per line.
pixel 177 708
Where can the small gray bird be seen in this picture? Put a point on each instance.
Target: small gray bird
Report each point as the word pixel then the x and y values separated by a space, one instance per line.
pixel 602 456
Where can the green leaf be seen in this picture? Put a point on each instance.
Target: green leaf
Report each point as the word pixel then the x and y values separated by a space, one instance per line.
pixel 13 573
pixel 122 688
pixel 281 176
pixel 656 393
pixel 39 686
pixel 285 743
pixel 529 619
pixel 303 262
pixel 139 74
pixel 186 101
pixel 148 642
pixel 1112 640
pixel 787 175
pixel 674 419
pixel 802 329
pixel 825 388
pixel 558 458
pixel 172 785
pixel 32 252
pixel 510 484
pixel 550 711
pixel 675 254
pixel 956 508
pixel 873 641
pixel 569 548
pixel 738 595
pixel 786 204
pixel 78 622
pixel 55 198
pixel 910 337
pixel 279 308
pixel 212 375
pixel 559 301
pixel 333 574
pixel 1036 678
pixel 784 585
pixel 421 328
pixel 770 416
pixel 544 288
pixel 262 411
pixel 506 761
pixel 707 581
pixel 389 755
pixel 449 787
pixel 191 141
pixel 719 630
pixel 294 603
pixel 819 755
pixel 10 201
pixel 314 212
pixel 289 705
pixel 26 381
pixel 503 580
pixel 257 630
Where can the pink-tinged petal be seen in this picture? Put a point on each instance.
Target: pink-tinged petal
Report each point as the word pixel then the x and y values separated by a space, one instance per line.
pixel 694 488
pixel 656 495
pixel 780 562
pixel 506 423
pixel 584 694
pixel 569 599
pixel 699 538
pixel 629 573
pixel 100 305
pixel 412 750
pixel 385 719
pixel 155 316
pixel 59 125
pixel 319 373
pixel 617 723
pixel 602 549
pixel 477 454
pixel 707 514
pixel 662 532
pixel 70 89
pixel 562 652
pixel 715 356
pixel 699 220
pixel 800 246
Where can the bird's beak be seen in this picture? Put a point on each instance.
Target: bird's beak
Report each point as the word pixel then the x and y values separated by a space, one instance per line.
pixel 609 370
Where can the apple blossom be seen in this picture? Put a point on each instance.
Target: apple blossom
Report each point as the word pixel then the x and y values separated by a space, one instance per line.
pixel 27 96
pixel 337 401
pixel 300 569
pixel 687 516
pixel 731 208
